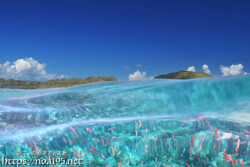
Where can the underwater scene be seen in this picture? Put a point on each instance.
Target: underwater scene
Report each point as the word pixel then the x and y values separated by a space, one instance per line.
pixel 152 123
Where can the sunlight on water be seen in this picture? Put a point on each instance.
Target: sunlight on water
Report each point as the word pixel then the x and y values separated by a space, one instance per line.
pixel 202 122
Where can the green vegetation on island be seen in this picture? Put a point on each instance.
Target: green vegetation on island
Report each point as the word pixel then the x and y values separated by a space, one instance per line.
pixel 184 75
pixel 17 84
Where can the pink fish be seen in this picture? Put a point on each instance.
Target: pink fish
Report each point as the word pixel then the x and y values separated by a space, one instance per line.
pixel 193 142
pixel 155 159
pixel 88 130
pixel 246 130
pixel 145 150
pixel 209 124
pixel 35 147
pixel 215 146
pixel 102 156
pixel 116 139
pixel 63 137
pixel 107 141
pixel 241 163
pixel 29 143
pixel 237 145
pixel 112 128
pixel 139 122
pixel 236 162
pixel 102 141
pixel 73 130
pixel 94 148
pixel 96 138
pixel 91 151
pixel 189 146
pixel 216 132
pixel 202 140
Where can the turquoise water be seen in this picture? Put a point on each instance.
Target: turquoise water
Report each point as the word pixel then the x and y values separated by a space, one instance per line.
pixel 146 123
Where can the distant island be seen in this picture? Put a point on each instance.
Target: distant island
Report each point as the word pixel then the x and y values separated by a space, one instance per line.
pixel 18 84
pixel 184 75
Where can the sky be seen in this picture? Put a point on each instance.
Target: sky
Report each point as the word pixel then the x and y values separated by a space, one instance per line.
pixel 128 39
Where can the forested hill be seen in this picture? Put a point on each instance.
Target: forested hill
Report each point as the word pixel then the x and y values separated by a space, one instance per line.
pixel 184 75
pixel 18 84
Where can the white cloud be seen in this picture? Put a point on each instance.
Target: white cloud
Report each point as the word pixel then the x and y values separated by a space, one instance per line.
pixel 191 69
pixel 26 69
pixel 138 65
pixel 137 76
pixel 233 70
pixel 206 69
pixel 245 73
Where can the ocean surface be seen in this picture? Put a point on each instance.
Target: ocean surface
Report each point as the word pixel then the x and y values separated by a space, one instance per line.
pixel 199 122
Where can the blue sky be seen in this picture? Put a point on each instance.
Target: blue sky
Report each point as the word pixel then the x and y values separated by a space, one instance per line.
pixel 99 38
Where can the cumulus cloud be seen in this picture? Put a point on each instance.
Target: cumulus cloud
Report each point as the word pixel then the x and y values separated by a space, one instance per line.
pixel 245 73
pixel 26 69
pixel 191 69
pixel 206 69
pixel 233 70
pixel 138 65
pixel 137 76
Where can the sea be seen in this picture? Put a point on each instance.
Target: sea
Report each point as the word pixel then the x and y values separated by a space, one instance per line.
pixel 152 123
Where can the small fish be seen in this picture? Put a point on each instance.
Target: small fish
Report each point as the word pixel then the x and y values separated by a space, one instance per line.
pixel 236 162
pixel 91 151
pixel 189 145
pixel 29 143
pixel 107 141
pixel 73 130
pixel 236 154
pixel 112 151
pixel 226 157
pixel 237 145
pixel 139 122
pixel 76 154
pixel 235 124
pixel 102 141
pixel 209 124
pixel 185 124
pixel 96 139
pixel 193 142
pixel 230 159
pixel 35 147
pixel 187 165
pixel 118 153
pixel 146 138
pixel 94 148
pixel 241 163
pixel 246 130
pixel 166 139
pixel 88 130
pixel 63 137
pixel 112 128
pixel 116 139
pixel 145 149
pixel 146 130
pixel 199 160
pixel 155 159
pixel 102 156
pixel 153 123
pixel 215 146
pixel 202 140
pixel 136 132
pixel 216 132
